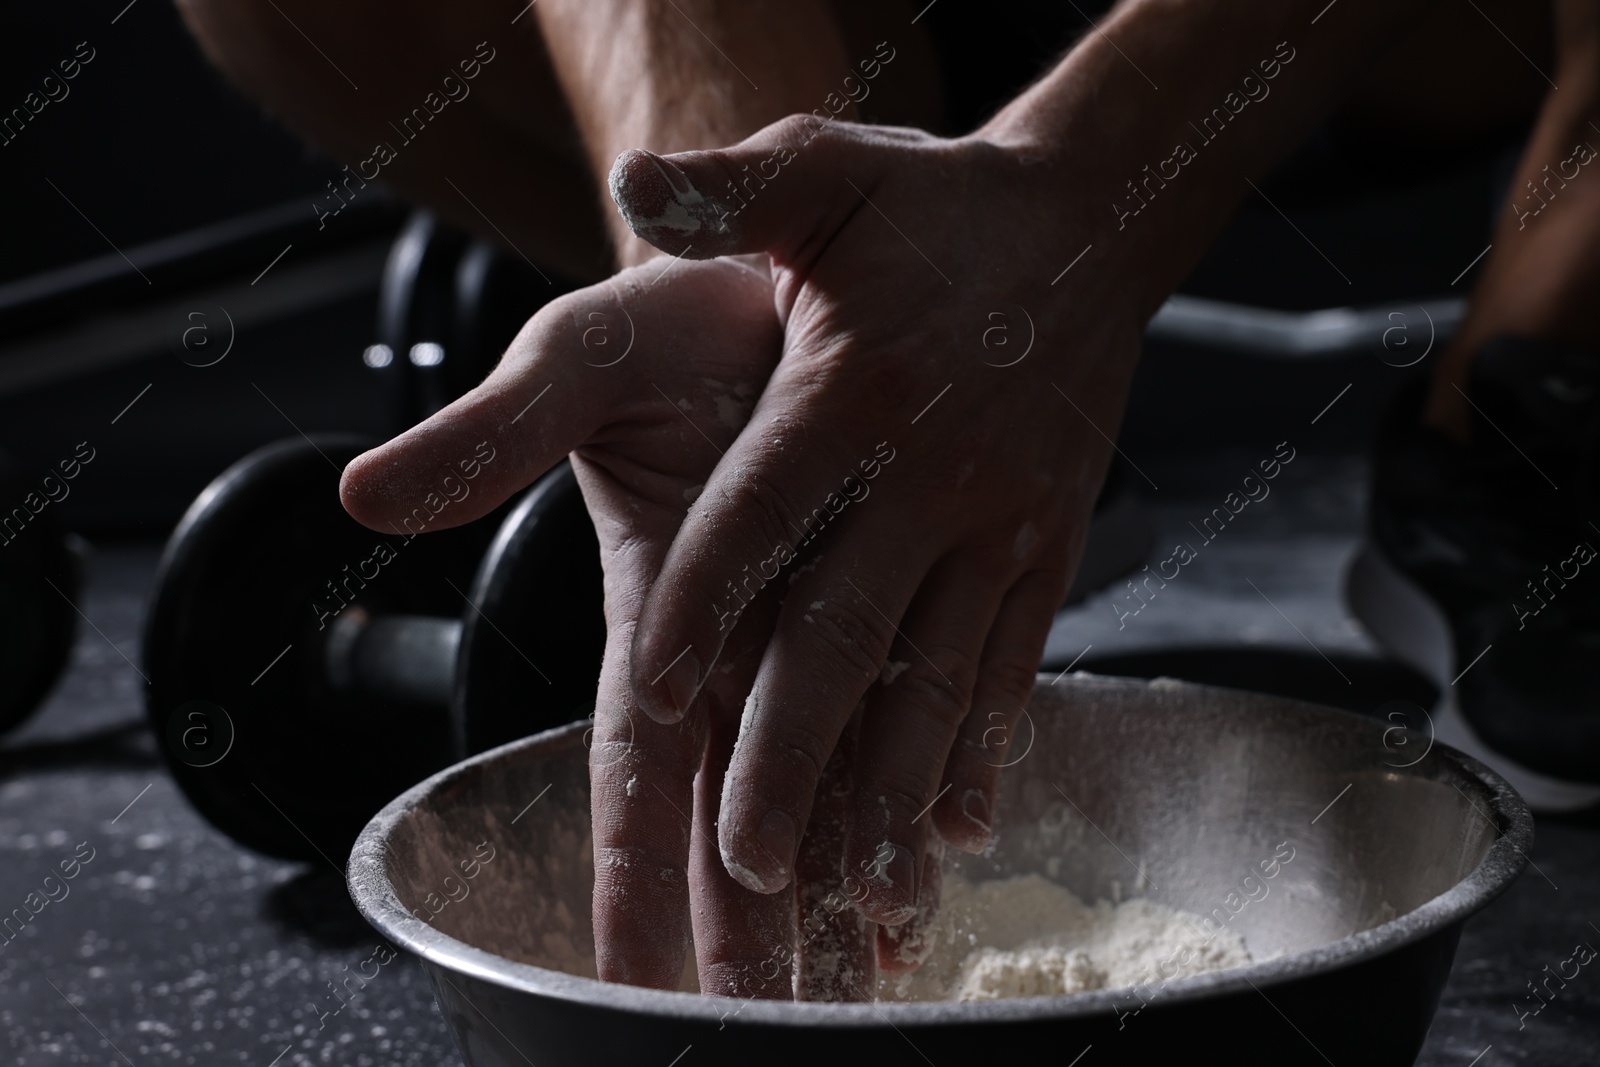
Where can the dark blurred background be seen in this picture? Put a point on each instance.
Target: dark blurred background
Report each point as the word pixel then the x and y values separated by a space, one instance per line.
pixel 151 190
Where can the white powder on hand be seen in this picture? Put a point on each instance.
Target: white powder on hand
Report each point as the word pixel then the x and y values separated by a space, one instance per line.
pixel 1027 937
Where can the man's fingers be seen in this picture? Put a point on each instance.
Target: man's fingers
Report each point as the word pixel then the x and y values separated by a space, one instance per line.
pixel 641 775
pixel 911 722
pixel 541 401
pixel 829 646
pixel 780 487
pixel 641 780
pixel 743 940
pixel 836 960
pixel 996 733
pixel 907 946
pixel 776 191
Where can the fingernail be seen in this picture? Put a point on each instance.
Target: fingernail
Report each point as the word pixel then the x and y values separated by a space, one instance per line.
pixel 777 834
pixel 975 806
pixel 745 876
pixel 675 175
pixel 681 681
pixel 659 201
pixel 899 876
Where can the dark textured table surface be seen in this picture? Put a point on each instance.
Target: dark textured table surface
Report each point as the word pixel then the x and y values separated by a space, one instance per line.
pixel 173 945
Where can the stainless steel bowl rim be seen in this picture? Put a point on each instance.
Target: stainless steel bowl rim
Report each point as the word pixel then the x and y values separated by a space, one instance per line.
pixel 374 896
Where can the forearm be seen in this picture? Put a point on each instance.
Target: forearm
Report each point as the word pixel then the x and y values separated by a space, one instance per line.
pixel 672 75
pixel 1164 119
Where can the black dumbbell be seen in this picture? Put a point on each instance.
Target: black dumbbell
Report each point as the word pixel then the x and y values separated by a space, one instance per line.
pixel 305 670
pixel 496 292
pixel 416 315
pixel 40 568
pixel 447 307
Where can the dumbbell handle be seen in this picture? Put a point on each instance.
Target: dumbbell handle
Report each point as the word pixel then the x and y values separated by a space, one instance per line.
pixel 407 658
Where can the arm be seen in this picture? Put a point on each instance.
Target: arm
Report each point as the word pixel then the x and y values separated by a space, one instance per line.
pixel 1238 84
pixel 961 556
pixel 674 76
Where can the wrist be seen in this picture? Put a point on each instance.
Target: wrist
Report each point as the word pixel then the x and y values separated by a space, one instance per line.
pixel 1084 224
pixel 1101 176
pixel 1149 174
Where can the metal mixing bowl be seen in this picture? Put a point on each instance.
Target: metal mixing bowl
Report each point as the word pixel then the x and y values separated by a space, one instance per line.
pixel 1192 786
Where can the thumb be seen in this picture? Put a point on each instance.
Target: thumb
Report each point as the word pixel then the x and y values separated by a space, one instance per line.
pixel 777 191
pixel 542 400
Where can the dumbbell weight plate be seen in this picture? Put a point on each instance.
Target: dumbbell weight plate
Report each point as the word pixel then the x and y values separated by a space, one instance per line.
pixel 232 624
pixel 416 304
pixel 538 630
pixel 496 293
pixel 39 576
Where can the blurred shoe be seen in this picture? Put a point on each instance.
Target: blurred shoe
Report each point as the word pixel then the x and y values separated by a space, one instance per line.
pixel 1481 574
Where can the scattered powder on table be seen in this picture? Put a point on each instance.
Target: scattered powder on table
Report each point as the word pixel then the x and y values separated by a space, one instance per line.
pixel 1028 937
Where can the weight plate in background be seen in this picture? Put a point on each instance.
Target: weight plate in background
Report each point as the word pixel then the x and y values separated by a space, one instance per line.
pixel 539 633
pixel 233 624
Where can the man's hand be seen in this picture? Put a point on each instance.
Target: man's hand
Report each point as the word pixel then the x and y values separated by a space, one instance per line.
pixel 935 492
pixel 646 378
pixel 923 495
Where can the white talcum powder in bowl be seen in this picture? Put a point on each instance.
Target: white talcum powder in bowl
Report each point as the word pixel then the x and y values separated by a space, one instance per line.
pixel 1027 937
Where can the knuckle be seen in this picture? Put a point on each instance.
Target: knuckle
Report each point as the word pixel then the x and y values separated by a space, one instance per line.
pixel 857 640
pixel 627 863
pixel 905 793
pixel 858 368
pixel 797 129
pixel 1054 580
pixel 945 705
pixel 1009 677
pixel 969 767
pixel 972 765
pixel 789 759
pixel 806 752
pixel 888 804
pixel 954 665
pixel 990 154
pixel 755 499
pixel 607 752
